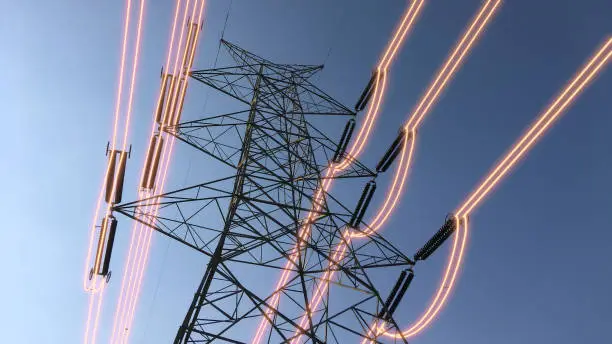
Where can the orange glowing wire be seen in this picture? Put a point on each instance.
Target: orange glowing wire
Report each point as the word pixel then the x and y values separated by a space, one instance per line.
pixel 130 94
pixel 166 165
pixel 143 250
pixel 395 190
pixel 113 139
pixel 436 87
pixel 304 232
pixel 127 122
pixel 99 251
pixel 381 82
pixel 134 238
pixel 121 71
pixel 416 117
pixel 168 56
pixel 343 246
pixel 356 148
pixel 119 323
pixel 413 122
pixel 562 102
pixel 327 277
pixel 113 142
pixel 120 329
pixel 400 34
pixel 547 118
pixel 91 338
pixel 133 79
pixel 97 317
pixel 123 280
pixel 89 311
pixel 174 83
pixel 443 291
pixel 446 286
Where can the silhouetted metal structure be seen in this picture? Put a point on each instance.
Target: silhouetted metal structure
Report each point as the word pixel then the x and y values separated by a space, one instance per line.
pixel 248 222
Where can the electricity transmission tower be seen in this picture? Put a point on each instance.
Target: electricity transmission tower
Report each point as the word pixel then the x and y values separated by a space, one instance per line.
pixel 247 223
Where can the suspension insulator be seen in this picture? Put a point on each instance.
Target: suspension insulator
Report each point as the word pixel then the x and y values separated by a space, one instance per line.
pixel 166 85
pixel 166 112
pixel 362 205
pixel 120 177
pixel 437 240
pixel 189 47
pixel 396 287
pixel 393 151
pixel 112 229
pixel 115 177
pixel 176 115
pixel 152 162
pixel 366 94
pixel 110 175
pixel 400 294
pixel 396 295
pixel 344 140
pixel 105 243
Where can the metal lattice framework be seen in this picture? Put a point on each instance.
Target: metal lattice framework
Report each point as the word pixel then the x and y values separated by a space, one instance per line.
pixel 247 223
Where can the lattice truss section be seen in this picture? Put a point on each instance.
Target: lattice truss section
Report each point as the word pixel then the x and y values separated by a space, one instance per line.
pixel 247 224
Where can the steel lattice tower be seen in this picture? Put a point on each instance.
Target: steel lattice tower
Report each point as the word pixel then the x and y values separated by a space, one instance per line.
pixel 247 223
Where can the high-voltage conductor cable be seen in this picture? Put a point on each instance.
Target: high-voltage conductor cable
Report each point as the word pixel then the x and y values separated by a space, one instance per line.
pixel 408 131
pixel 125 313
pixel 134 236
pixel 520 148
pixel 112 145
pixel 375 89
pixel 161 181
pixel 150 168
pixel 113 192
pixel 134 255
pixel 405 143
pixel 188 170
pixel 377 84
pixel 547 118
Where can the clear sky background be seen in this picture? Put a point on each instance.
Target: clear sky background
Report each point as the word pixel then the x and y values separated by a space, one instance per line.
pixel 538 267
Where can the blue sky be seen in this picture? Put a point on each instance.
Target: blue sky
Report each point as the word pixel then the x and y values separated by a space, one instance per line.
pixel 537 268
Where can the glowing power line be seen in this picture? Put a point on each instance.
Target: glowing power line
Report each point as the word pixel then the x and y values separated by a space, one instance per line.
pixel 135 240
pixel 587 73
pixel 438 85
pixel 97 293
pixel 379 89
pixel 130 291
